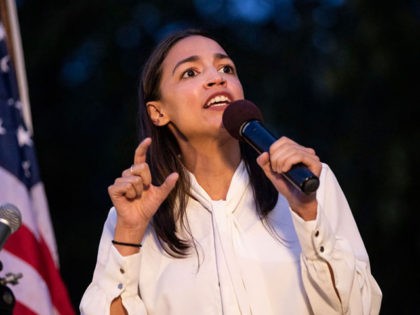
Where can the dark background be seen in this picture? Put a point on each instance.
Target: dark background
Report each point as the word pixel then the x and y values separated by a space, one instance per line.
pixel 339 76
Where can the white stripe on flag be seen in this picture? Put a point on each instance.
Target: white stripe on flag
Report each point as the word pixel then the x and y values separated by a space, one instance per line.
pixel 36 300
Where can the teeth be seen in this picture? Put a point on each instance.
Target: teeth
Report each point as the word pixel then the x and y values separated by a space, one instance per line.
pixel 218 99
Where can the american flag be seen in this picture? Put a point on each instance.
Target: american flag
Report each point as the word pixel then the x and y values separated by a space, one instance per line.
pixel 31 250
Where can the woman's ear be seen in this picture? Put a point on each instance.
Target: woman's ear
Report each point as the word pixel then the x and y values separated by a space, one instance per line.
pixel 156 114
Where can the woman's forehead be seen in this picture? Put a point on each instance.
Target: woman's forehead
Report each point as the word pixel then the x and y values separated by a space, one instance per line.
pixel 195 45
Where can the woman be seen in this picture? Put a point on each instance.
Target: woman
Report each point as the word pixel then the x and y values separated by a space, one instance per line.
pixel 201 225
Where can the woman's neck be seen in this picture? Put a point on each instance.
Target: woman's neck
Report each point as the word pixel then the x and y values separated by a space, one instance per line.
pixel 213 165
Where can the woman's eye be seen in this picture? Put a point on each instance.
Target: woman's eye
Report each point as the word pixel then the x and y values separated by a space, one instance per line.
pixel 189 73
pixel 227 69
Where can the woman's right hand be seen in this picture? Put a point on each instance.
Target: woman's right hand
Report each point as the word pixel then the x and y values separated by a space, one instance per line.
pixel 135 198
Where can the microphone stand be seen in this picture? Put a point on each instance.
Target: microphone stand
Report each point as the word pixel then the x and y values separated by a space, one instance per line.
pixel 7 299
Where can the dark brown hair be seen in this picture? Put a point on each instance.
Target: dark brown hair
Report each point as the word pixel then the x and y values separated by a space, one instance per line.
pixel 163 157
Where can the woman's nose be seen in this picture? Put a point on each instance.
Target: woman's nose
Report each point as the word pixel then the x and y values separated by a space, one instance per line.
pixel 215 79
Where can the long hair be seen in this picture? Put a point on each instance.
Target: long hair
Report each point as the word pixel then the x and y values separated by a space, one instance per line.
pixel 163 157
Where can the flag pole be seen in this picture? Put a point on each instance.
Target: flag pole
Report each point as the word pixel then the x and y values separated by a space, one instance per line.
pixel 18 59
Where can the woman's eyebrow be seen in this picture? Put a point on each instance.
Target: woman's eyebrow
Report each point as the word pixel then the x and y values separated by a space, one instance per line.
pixel 221 56
pixel 188 59
pixel 193 58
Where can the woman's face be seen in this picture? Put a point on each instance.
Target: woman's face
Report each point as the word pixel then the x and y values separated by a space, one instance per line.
pixel 198 82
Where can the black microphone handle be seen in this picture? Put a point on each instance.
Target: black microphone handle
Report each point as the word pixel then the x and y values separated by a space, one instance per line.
pixel 260 138
pixel 5 232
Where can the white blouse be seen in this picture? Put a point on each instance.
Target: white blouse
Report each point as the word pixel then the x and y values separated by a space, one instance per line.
pixel 240 265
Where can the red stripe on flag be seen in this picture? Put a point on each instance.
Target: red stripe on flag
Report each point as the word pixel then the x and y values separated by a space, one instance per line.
pixel 21 309
pixel 24 245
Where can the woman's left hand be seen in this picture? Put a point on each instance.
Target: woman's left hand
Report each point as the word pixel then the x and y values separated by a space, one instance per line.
pixel 284 153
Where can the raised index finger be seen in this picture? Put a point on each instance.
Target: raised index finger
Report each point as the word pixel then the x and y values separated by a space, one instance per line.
pixel 140 153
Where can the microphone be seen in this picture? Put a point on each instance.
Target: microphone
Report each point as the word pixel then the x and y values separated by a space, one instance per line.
pixel 243 120
pixel 10 221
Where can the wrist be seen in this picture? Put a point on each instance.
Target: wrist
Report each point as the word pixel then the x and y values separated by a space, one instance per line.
pixel 128 235
pixel 307 211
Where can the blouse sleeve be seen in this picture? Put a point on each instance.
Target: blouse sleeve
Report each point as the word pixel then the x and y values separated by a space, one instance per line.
pixel 332 243
pixel 114 276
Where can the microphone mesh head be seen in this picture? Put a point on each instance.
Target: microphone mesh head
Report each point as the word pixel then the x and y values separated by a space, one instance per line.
pixel 237 113
pixel 11 214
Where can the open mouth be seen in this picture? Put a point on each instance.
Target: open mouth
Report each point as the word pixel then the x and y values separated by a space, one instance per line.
pixel 218 101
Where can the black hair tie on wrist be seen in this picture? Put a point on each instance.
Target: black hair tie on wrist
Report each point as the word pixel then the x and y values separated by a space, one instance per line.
pixel 126 244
